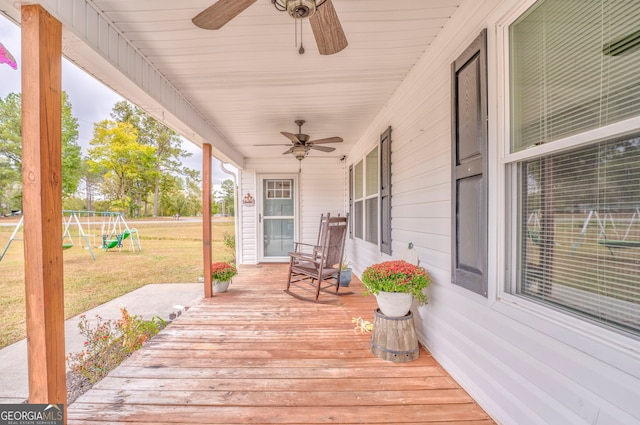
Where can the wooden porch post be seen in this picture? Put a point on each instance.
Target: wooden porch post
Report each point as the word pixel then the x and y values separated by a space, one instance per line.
pixel 206 217
pixel 42 203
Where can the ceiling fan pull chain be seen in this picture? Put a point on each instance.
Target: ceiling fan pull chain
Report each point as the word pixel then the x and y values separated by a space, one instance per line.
pixel 295 27
pixel 301 50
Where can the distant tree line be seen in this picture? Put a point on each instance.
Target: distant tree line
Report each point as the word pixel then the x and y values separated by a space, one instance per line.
pixel 133 165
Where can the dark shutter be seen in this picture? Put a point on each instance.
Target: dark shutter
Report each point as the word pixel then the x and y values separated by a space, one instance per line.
pixel 351 201
pixel 385 191
pixel 469 182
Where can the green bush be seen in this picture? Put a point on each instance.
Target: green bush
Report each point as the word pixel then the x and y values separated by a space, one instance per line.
pixel 229 240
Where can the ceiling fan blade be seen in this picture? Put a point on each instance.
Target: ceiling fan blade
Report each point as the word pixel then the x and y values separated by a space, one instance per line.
pixel 291 137
pixel 288 151
pixel 274 144
pixel 215 16
pixel 327 30
pixel 327 140
pixel 323 148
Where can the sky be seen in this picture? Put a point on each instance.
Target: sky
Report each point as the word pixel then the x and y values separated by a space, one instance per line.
pixel 91 100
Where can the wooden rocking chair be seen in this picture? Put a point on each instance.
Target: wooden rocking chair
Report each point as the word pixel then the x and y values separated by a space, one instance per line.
pixel 313 268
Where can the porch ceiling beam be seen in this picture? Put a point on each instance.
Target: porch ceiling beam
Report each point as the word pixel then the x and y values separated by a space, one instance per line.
pixel 42 203
pixel 96 44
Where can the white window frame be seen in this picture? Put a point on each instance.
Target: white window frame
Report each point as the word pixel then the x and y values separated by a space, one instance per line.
pixel 604 343
pixel 366 197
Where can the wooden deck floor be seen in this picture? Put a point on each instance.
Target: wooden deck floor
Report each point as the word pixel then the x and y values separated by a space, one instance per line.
pixel 257 355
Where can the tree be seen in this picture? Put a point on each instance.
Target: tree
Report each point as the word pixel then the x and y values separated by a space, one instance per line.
pixel 71 151
pixel 151 132
pixel 92 178
pixel 10 153
pixel 180 196
pixel 131 168
pixel 11 149
pixel 227 196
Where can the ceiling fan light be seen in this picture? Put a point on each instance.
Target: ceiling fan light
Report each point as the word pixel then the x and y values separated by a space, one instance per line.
pixel 301 9
pixel 300 152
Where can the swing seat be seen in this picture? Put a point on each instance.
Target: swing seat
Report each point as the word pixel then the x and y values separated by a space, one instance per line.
pixel 535 237
pixel 109 244
pixel 619 244
pixel 67 245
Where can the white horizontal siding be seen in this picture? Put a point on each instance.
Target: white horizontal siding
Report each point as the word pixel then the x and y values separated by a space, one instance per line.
pixel 520 365
pixel 248 219
pixel 322 190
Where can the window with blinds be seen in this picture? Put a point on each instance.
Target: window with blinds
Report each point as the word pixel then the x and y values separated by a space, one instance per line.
pixel 575 67
pixel 358 204
pixel 365 192
pixel 371 200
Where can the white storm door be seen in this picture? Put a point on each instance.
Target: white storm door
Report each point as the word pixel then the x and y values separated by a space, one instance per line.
pixel 277 220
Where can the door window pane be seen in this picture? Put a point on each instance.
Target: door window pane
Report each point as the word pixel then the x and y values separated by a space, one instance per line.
pixel 278 237
pixel 278 199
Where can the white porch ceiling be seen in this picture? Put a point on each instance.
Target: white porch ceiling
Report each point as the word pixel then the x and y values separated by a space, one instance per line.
pixel 247 80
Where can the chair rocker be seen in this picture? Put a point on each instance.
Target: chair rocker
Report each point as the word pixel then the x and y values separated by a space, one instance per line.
pixel 315 268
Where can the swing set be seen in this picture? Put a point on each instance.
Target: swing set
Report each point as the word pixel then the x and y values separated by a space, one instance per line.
pixel 114 231
pixel 618 239
pixel 612 232
pixel 67 239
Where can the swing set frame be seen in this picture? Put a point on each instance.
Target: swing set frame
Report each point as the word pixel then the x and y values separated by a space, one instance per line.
pixel 112 234
pixel 620 240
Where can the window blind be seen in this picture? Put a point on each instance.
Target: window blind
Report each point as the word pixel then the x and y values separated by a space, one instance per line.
pixel 358 203
pixel 580 232
pixel 574 67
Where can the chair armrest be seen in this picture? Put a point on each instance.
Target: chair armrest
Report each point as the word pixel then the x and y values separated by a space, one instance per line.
pixel 298 244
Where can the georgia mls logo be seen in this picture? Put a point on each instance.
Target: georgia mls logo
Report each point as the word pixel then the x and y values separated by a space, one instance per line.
pixel 31 414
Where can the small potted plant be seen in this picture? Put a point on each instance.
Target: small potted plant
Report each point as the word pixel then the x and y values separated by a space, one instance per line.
pixel 345 273
pixel 395 284
pixel 221 274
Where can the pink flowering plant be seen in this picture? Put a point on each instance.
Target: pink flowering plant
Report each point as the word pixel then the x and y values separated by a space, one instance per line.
pixel 396 276
pixel 110 342
pixel 221 271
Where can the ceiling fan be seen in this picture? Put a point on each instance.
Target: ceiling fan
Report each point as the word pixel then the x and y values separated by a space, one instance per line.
pixel 322 16
pixel 302 145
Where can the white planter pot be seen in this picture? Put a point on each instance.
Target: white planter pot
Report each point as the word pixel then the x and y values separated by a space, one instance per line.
pixel 219 286
pixel 394 304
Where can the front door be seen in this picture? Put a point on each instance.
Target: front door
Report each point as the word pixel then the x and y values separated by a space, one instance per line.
pixel 277 222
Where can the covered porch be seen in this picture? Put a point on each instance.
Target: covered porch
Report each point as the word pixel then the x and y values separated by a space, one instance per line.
pixel 431 71
pixel 257 355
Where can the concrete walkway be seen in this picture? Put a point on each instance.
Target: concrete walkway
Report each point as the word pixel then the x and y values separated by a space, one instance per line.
pixel 151 300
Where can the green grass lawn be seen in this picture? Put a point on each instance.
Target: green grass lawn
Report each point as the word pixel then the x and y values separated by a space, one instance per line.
pixel 171 253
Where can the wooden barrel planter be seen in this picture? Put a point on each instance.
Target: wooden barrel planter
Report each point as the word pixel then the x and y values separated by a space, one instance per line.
pixel 394 338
